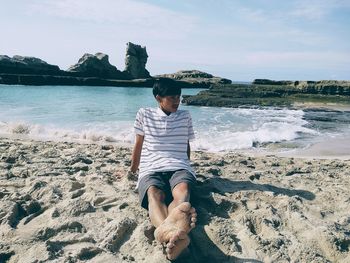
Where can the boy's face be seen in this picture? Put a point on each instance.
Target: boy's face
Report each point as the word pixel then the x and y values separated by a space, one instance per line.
pixel 169 103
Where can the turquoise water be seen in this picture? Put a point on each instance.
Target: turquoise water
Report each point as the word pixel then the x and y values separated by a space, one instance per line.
pixel 106 114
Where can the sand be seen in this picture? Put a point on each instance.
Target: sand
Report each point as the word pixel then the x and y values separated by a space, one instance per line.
pixel 330 148
pixel 69 202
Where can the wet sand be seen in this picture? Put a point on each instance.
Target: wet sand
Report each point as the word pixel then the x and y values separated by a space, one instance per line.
pixel 330 148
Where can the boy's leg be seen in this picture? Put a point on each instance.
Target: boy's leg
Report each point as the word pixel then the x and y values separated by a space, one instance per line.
pixel 181 193
pixel 152 192
pixel 182 182
pixel 181 215
pixel 152 197
pixel 157 208
pixel 168 225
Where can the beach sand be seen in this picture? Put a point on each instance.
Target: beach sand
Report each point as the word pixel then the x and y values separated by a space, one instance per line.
pixel 69 202
pixel 330 148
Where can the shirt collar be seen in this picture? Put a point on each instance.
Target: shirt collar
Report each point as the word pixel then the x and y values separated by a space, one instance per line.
pixel 162 113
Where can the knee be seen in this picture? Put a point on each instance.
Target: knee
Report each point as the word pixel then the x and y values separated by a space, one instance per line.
pixel 155 194
pixel 181 192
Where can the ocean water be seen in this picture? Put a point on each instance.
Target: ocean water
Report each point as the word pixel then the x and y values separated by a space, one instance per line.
pixel 106 114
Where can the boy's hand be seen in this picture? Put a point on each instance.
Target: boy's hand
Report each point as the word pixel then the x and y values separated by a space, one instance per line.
pixel 132 176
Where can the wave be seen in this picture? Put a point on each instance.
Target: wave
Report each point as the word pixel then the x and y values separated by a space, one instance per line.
pixel 225 130
pixel 268 133
pixel 88 134
pixel 234 129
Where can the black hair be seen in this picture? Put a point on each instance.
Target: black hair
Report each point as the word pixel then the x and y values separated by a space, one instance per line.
pixel 166 87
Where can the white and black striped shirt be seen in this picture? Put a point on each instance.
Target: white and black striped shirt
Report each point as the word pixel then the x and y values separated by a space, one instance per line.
pixel 165 140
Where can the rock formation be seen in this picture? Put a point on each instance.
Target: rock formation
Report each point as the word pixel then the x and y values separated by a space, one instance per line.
pixel 196 77
pixel 135 61
pixel 95 70
pixel 327 87
pixel 26 65
pixel 280 94
pixel 96 66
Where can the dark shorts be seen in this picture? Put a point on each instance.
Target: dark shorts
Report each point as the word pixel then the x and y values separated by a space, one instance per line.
pixel 165 181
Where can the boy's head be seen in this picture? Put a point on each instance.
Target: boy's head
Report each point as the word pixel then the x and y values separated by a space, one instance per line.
pixel 167 92
pixel 166 87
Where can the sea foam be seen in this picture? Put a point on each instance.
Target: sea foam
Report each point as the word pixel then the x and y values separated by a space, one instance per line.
pixel 216 129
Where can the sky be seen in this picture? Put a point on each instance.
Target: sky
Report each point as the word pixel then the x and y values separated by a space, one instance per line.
pixel 237 39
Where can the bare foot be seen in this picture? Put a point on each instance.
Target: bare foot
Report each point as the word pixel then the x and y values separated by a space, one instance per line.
pixel 176 245
pixel 181 220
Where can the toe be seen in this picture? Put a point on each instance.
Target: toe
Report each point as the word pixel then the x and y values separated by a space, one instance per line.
pixel 170 245
pixel 185 207
pixel 173 239
pixel 182 235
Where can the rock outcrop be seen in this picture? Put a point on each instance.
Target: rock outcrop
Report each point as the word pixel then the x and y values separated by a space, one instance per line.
pixel 273 82
pixel 196 77
pixel 96 66
pixel 287 95
pixel 327 87
pixel 27 65
pixel 37 80
pixel 95 70
pixel 135 61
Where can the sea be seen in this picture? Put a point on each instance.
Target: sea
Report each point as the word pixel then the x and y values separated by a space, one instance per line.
pixel 88 114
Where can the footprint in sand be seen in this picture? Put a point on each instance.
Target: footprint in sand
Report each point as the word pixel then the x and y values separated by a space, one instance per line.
pixel 116 234
pixel 49 232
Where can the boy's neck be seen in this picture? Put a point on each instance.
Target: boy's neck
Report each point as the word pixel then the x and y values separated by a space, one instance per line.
pixel 166 112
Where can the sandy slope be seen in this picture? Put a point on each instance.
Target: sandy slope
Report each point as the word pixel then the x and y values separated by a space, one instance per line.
pixel 66 202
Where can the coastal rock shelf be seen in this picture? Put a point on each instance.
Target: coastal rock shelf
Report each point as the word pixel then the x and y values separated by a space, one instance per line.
pixel 95 70
pixel 196 77
pixel 91 70
pixel 68 202
pixel 40 80
pixel 272 93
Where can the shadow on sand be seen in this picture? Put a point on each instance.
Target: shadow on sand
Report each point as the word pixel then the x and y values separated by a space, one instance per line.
pixel 202 248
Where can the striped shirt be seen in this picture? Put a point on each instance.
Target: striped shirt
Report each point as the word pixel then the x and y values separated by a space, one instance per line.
pixel 165 140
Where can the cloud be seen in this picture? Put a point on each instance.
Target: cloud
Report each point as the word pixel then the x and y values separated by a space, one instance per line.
pixel 301 59
pixel 126 14
pixel 230 36
pixel 317 10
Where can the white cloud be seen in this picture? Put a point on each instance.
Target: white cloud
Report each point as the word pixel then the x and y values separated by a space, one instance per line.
pixel 317 10
pixel 303 59
pixel 126 14
pixel 230 36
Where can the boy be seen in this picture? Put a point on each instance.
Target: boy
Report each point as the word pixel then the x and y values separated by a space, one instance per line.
pixel 162 153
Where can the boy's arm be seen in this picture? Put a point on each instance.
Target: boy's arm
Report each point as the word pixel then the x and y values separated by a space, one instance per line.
pixel 136 153
pixel 188 150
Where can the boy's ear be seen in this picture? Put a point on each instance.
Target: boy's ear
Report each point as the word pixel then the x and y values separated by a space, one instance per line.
pixel 158 98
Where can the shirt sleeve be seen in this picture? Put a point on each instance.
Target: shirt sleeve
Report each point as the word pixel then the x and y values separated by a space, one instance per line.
pixel 138 124
pixel 191 136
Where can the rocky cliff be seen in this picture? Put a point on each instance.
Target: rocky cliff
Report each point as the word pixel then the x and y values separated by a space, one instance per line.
pixel 281 94
pixel 27 65
pixel 135 61
pixel 327 87
pixel 196 77
pixel 90 70
pixel 96 70
pixel 96 66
